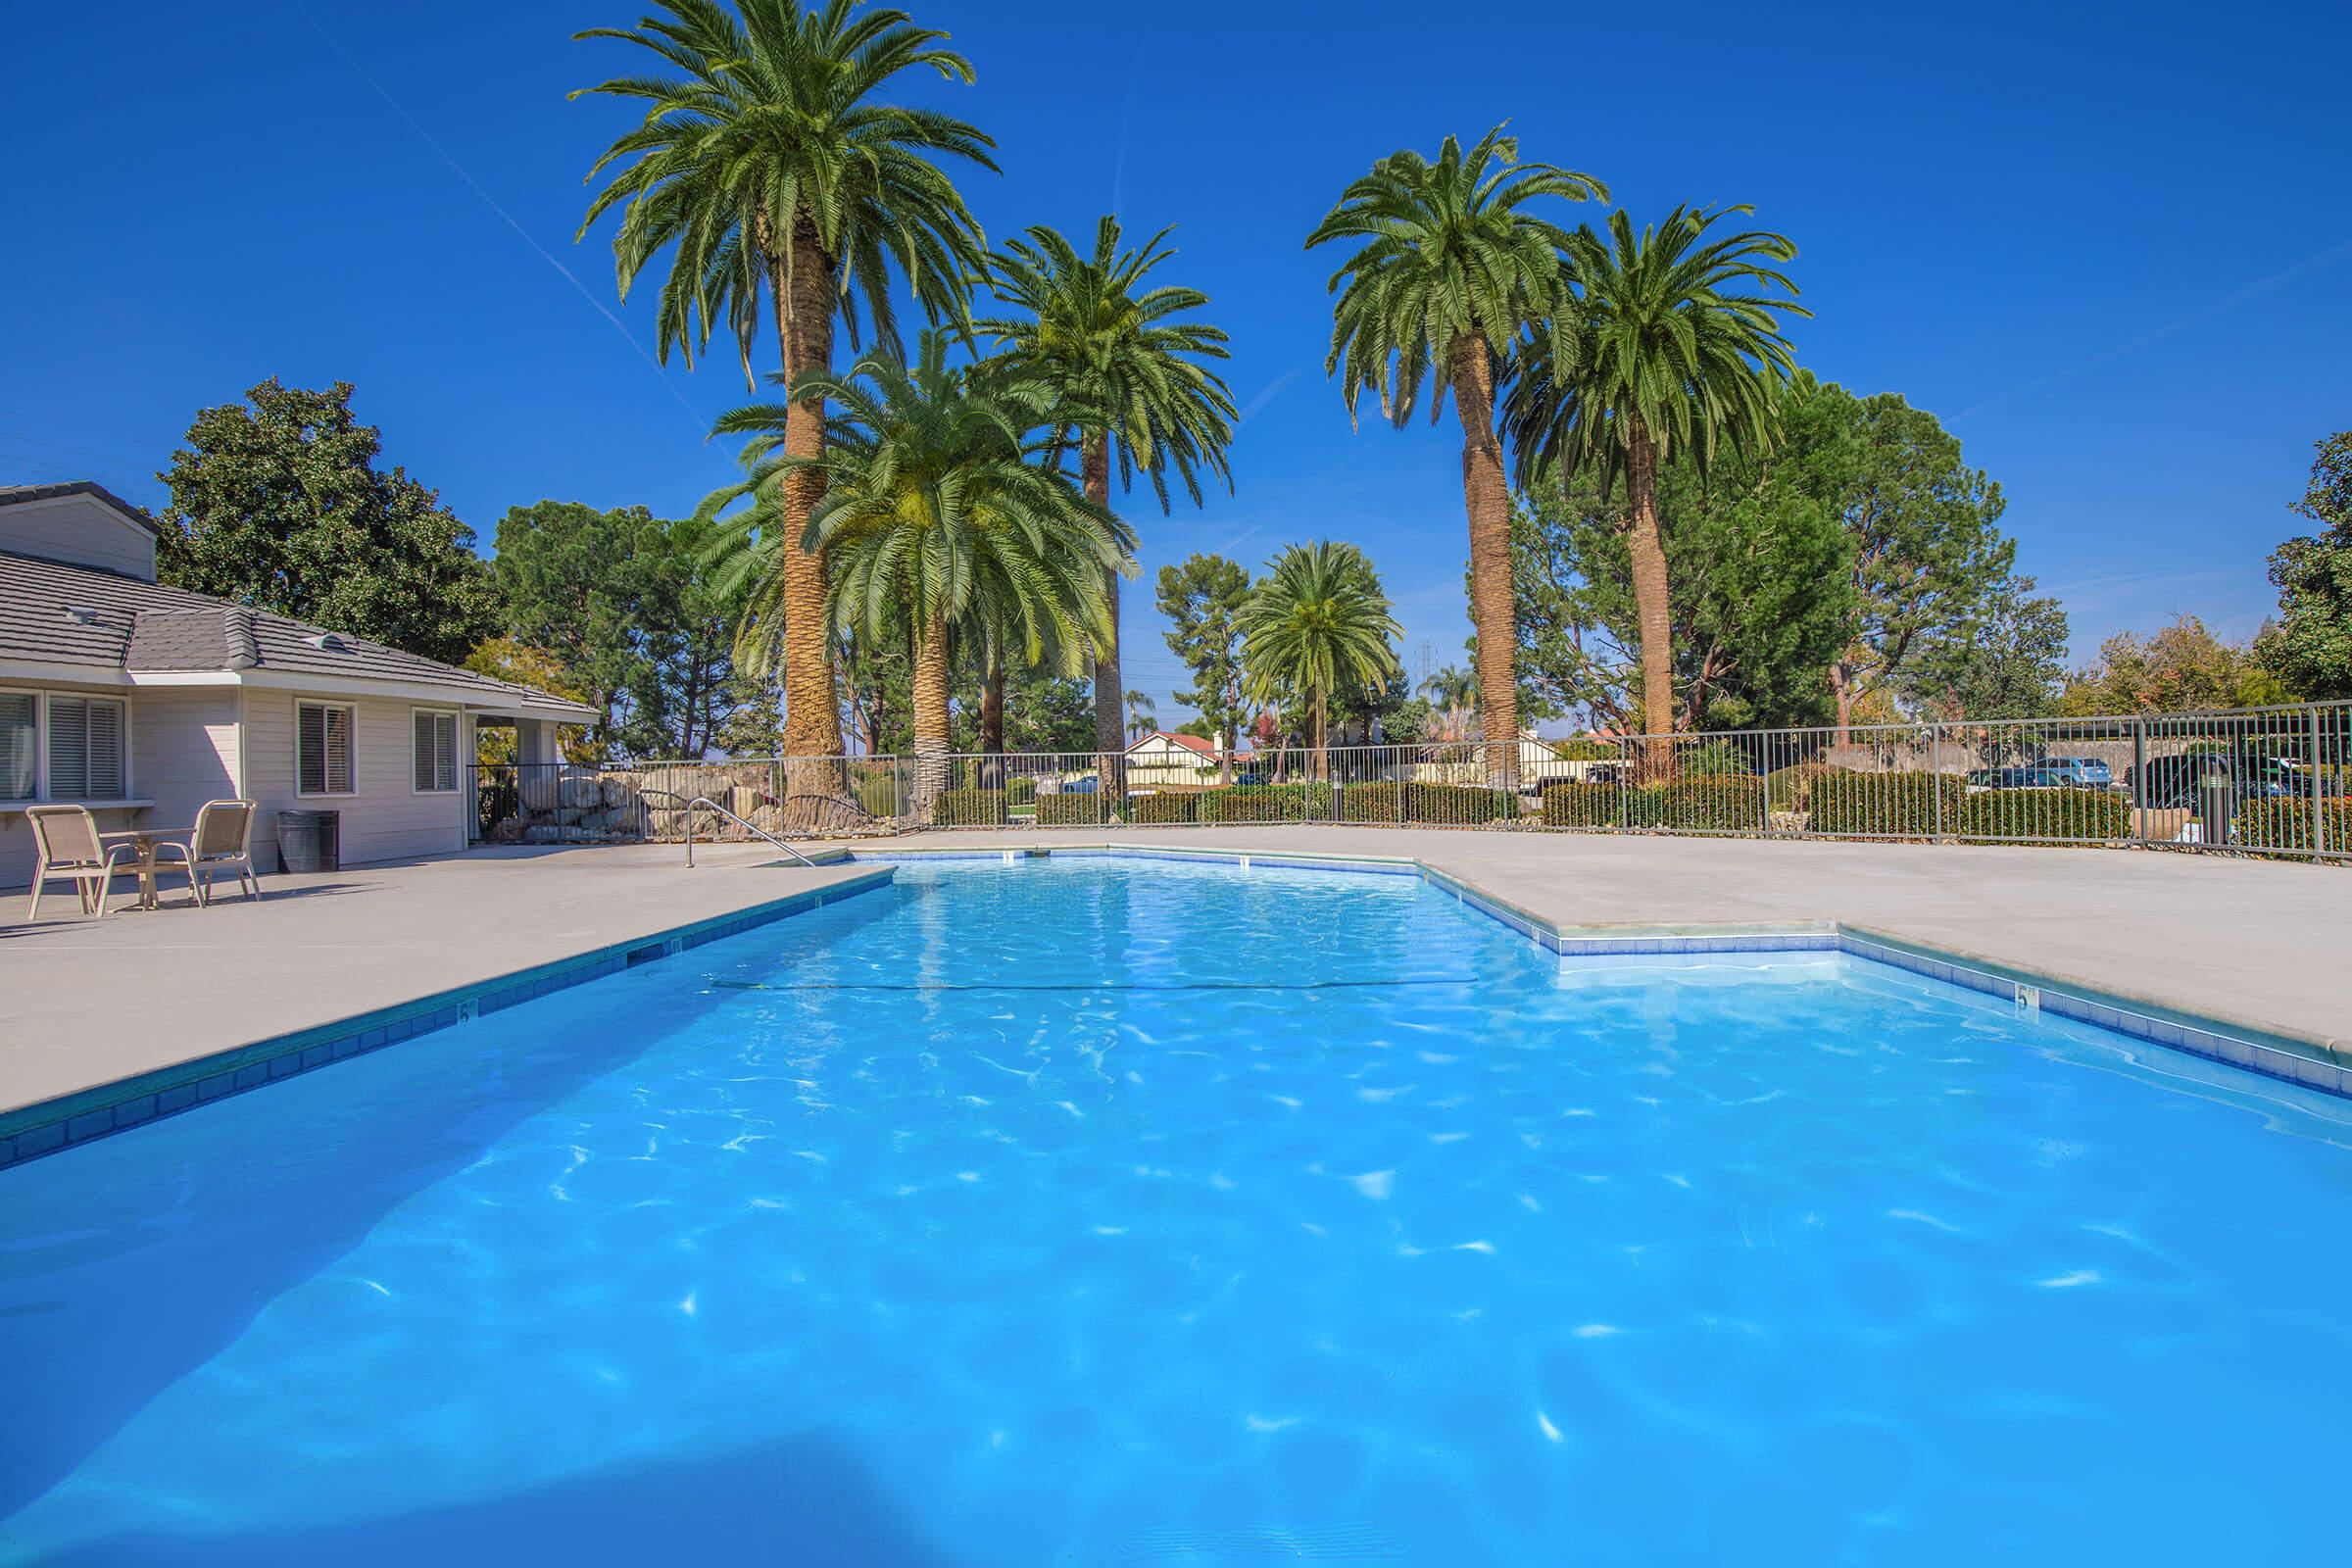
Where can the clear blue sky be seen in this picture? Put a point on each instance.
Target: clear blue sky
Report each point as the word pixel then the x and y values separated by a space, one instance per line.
pixel 2108 246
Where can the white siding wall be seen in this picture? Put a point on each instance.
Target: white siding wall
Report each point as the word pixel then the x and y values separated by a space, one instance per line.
pixel 383 819
pixel 80 530
pixel 183 753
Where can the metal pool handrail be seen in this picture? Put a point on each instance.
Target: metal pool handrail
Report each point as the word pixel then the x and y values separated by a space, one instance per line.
pixel 705 800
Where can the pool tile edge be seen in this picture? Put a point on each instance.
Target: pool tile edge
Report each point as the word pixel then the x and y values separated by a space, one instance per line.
pixel 44 1127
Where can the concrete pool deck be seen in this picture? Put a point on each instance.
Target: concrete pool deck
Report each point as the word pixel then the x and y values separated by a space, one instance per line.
pixel 2253 943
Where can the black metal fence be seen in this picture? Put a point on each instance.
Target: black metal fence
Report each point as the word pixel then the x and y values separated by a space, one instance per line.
pixel 2268 781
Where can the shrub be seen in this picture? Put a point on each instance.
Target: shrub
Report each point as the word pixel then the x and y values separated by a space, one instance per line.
pixel 1713 759
pixel 1145 809
pixel 1020 789
pixel 2092 815
pixel 1266 802
pixel 877 793
pixel 970 809
pixel 1577 803
pixel 1714 803
pixel 1069 810
pixel 1885 804
pixel 1447 804
pixel 2285 824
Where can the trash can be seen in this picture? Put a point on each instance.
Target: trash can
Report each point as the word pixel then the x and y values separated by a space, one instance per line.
pixel 2217 804
pixel 309 840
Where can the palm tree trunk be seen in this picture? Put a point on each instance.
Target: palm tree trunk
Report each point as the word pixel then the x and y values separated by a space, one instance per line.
pixel 992 706
pixel 1487 497
pixel 815 797
pixel 931 757
pixel 1647 548
pixel 1110 719
pixel 1320 725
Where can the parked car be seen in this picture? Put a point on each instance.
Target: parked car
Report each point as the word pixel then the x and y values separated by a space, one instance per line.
pixel 2084 772
pixel 2019 778
pixel 2173 783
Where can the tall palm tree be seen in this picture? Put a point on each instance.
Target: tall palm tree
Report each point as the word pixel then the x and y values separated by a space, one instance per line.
pixel 1451 687
pixel 1454 265
pixel 1673 352
pixel 1128 381
pixel 939 511
pixel 1142 714
pixel 767 168
pixel 1316 622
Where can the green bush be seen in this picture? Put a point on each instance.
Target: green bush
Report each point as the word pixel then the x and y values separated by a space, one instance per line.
pixel 1020 789
pixel 972 809
pixel 2091 815
pixel 877 793
pixel 1715 803
pixel 1790 788
pixel 1148 809
pixel 1887 805
pixel 1712 760
pixel 1447 805
pixel 1577 803
pixel 1069 810
pixel 1266 802
pixel 2285 824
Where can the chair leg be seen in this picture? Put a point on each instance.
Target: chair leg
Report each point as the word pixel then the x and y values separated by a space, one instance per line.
pixel 34 913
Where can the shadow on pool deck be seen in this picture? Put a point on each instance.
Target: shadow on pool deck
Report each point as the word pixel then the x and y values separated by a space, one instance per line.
pixel 804 1501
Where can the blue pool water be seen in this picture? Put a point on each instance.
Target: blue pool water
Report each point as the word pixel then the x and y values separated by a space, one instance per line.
pixel 1098 1212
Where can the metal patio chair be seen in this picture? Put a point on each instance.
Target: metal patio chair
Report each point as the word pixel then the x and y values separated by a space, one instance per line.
pixel 222 842
pixel 66 843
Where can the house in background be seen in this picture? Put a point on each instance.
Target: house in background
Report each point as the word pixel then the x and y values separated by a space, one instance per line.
pixel 1163 758
pixel 143 701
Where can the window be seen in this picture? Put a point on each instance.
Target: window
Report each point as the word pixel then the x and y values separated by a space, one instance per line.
pixel 321 748
pixel 20 741
pixel 85 749
pixel 436 751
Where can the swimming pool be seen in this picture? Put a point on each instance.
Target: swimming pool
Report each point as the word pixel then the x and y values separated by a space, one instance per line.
pixel 1092 1211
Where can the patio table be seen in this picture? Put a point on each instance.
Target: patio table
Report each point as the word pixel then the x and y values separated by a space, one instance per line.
pixel 144 840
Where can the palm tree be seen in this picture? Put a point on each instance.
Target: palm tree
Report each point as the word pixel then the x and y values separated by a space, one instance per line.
pixel 1671 354
pixel 764 167
pixel 1453 267
pixel 1451 687
pixel 1127 381
pixel 1142 714
pixel 941 513
pixel 1317 621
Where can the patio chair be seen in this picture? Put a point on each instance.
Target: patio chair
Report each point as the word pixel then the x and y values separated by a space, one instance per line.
pixel 223 842
pixel 64 842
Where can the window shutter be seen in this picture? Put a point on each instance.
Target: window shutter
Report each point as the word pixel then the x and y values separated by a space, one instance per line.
pixel 69 749
pixel 426 772
pixel 18 728
pixel 446 727
pixel 106 780
pixel 309 750
pixel 338 751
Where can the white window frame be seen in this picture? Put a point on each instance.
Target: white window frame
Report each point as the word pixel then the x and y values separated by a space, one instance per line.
pixel 457 735
pixel 45 727
pixel 40 747
pixel 351 730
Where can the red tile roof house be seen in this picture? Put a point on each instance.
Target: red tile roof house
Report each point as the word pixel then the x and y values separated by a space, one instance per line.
pixel 144 702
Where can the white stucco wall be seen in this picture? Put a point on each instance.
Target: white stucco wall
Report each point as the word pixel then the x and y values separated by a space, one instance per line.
pixel 383 817
pixel 183 752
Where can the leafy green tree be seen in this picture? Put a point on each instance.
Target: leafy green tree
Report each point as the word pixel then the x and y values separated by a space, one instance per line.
pixel 939 504
pixel 1316 623
pixel 2310 649
pixel 2182 668
pixel 1452 267
pixel 1668 355
pixel 1124 376
pixel 1759 594
pixel 1929 563
pixel 766 170
pixel 2007 661
pixel 1203 601
pixel 277 502
pixel 622 600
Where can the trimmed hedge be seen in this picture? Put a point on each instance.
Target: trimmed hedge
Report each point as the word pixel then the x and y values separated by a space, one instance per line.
pixel 1715 803
pixel 972 809
pixel 1070 810
pixel 1911 805
pixel 2090 815
pixel 877 793
pixel 1020 789
pixel 2271 823
pixel 1151 810
pixel 1447 804
pixel 1266 803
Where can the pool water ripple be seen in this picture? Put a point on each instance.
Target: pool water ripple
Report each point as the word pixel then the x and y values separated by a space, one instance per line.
pixel 1094 1212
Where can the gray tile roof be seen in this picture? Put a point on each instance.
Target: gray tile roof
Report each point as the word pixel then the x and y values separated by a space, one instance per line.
pixel 54 614
pixel 11 494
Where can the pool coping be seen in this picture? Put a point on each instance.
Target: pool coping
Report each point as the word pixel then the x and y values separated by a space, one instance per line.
pixel 44 1127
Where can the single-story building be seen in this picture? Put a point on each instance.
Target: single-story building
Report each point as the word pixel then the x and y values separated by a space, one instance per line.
pixel 143 701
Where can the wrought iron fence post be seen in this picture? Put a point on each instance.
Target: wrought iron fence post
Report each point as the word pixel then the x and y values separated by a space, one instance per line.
pixel 2139 780
pixel 1936 776
pixel 2319 803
